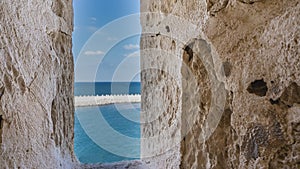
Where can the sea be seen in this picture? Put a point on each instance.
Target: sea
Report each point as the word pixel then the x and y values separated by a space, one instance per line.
pixel 106 88
pixel 108 133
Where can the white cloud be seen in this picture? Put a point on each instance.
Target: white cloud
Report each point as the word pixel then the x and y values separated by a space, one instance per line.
pixel 93 20
pixel 93 53
pixel 134 54
pixel 131 47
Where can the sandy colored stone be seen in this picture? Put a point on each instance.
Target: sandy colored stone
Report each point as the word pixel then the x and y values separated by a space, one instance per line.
pixel 244 51
pixel 220 84
pixel 36 82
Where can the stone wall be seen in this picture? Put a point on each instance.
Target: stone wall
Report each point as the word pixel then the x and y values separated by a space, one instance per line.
pixel 220 83
pixel 36 84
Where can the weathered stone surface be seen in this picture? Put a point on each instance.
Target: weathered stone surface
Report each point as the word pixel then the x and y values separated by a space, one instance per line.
pixel 258 87
pixel 251 53
pixel 214 6
pixel 198 57
pixel 249 1
pixel 36 84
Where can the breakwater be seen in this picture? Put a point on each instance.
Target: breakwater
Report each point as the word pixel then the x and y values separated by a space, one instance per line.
pixel 81 101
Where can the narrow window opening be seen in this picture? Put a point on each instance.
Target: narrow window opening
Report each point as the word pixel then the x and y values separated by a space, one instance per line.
pixel 107 80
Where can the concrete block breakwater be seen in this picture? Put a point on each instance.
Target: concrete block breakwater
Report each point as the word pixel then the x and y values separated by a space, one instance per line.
pixel 81 101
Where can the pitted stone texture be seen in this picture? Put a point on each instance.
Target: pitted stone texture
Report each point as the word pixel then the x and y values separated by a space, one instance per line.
pixel 214 6
pixel 256 41
pixel 266 53
pixel 160 129
pixel 249 1
pixel 36 73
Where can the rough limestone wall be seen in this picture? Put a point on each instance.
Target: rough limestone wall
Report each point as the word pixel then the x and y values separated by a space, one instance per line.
pixel 229 92
pixel 36 84
pixel 261 124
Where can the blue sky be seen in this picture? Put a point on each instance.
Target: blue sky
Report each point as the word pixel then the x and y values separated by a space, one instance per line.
pixel 106 40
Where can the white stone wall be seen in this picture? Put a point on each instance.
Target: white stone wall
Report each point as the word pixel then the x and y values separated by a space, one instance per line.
pixel 81 101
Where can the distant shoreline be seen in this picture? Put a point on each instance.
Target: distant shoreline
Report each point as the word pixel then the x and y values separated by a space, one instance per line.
pixel 83 101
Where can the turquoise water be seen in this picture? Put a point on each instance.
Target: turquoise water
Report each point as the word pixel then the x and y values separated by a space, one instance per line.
pixel 108 133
